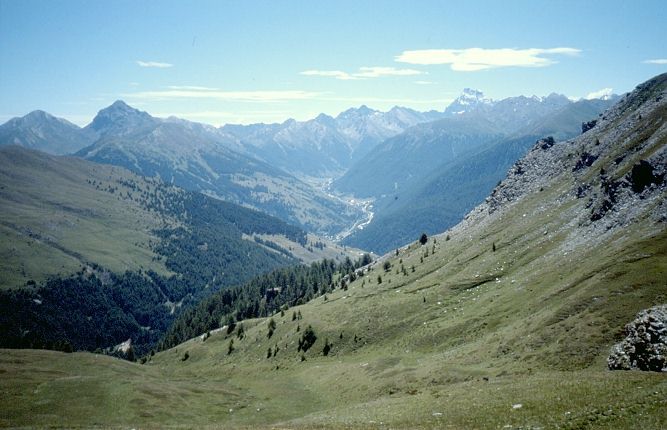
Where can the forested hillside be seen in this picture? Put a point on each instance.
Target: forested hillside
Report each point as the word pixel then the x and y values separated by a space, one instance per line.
pixel 139 249
pixel 263 296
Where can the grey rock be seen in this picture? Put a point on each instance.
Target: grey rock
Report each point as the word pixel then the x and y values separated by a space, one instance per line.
pixel 645 346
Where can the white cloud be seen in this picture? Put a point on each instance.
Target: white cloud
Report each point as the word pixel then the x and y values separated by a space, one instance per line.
pixel 388 100
pixel 155 64
pixel 223 117
pixel 243 96
pixel 343 76
pixel 191 87
pixel 656 61
pixel 220 114
pixel 423 82
pixel 193 115
pixel 474 59
pixel 376 72
pixel 363 73
pixel 604 94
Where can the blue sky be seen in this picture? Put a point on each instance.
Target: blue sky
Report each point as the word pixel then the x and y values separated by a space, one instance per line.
pixel 250 61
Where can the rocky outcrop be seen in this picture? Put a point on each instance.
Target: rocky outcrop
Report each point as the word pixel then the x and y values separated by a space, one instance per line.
pixel 645 347
pixel 642 176
pixel 617 168
pixel 585 126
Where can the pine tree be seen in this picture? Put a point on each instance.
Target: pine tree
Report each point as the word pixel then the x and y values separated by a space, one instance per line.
pixel 240 331
pixel 271 326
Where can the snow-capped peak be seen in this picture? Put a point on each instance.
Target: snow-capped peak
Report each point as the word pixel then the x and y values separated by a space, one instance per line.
pixel 471 96
pixel 468 100
pixel 603 94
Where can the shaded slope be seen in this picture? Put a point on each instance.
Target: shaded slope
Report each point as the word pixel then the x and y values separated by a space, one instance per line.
pixel 450 190
pixel 402 161
pixel 470 123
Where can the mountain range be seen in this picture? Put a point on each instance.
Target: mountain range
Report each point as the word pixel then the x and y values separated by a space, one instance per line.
pixel 42 131
pixel 504 320
pixel 426 178
pixel 325 146
pixel 286 169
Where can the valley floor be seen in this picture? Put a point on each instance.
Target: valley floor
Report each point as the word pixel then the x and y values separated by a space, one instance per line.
pixel 53 389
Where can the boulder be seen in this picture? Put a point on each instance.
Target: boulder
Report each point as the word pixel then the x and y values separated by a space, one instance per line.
pixel 645 347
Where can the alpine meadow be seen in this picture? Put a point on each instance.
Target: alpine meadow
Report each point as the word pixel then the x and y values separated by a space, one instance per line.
pixel 333 215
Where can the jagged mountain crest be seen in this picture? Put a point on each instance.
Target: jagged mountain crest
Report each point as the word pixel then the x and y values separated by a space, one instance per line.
pixel 121 119
pixel 468 101
pixel 325 145
pixel 354 113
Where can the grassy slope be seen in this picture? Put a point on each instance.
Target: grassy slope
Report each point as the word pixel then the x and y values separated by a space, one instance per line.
pixel 51 229
pixel 58 215
pixel 456 343
pixel 541 341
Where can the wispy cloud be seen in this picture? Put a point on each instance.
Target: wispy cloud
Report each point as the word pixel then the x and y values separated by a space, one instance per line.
pixel 243 96
pixel 194 115
pixel 363 73
pixel 191 87
pixel 474 59
pixel 338 74
pixel 376 72
pixel 155 64
pixel 600 94
pixel 221 114
pixel 656 61
pixel 389 100
pixel 423 82
pixel 224 117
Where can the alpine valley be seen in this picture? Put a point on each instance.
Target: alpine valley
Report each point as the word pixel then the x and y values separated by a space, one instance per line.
pixel 473 267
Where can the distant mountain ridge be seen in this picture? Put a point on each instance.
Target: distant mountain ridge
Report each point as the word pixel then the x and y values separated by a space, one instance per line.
pixel 406 157
pixel 241 164
pixel 272 167
pixel 511 113
pixel 421 184
pixel 325 145
pixel 198 158
pixel 45 132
